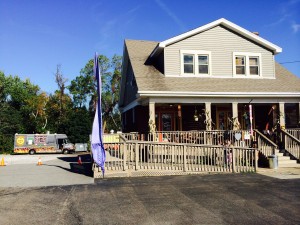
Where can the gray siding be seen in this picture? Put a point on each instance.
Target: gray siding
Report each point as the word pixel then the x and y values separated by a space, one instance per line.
pixel 222 43
pixel 130 86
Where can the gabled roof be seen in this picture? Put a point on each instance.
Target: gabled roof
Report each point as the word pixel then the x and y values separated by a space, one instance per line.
pixel 151 82
pixel 247 34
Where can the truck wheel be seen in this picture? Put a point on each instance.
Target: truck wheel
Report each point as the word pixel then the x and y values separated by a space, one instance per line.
pixel 65 151
pixel 31 152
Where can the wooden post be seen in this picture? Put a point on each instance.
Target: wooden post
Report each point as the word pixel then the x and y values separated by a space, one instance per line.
pixel 233 160
pixel 124 156
pixel 136 156
pixel 208 115
pixel 281 115
pixel 235 115
pixel 256 159
pixel 184 158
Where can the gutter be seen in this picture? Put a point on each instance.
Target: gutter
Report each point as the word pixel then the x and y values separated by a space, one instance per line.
pixel 216 94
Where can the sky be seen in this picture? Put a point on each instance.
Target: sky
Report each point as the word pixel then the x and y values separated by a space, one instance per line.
pixel 37 35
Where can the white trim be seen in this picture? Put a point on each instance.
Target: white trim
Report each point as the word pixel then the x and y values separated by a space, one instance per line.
pixel 217 94
pixel 276 49
pixel 247 64
pixel 195 53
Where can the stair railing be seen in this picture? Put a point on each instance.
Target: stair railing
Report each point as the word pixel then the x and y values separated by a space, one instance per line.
pixel 291 144
pixel 264 144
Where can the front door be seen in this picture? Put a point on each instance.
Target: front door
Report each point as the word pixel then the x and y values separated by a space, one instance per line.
pixel 223 119
pixel 165 121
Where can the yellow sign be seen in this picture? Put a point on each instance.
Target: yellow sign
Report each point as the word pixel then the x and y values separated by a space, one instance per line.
pixel 20 140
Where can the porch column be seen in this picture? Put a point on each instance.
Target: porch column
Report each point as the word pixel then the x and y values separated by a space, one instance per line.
pixel 281 114
pixel 235 117
pixel 208 115
pixel 152 126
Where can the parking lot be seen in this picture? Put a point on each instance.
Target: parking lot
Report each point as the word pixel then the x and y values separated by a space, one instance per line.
pixel 56 169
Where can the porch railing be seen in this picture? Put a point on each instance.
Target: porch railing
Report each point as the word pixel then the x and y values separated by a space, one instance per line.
pixel 291 144
pixel 294 132
pixel 152 158
pixel 264 144
pixel 215 137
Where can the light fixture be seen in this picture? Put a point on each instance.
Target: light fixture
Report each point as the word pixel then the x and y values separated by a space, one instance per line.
pixel 196 118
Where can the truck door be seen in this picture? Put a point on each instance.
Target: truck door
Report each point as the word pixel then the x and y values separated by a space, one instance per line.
pixel 60 143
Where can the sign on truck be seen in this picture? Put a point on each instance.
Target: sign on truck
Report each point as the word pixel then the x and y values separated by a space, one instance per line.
pixel 42 143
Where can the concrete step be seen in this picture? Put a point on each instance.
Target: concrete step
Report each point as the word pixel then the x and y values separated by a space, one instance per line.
pixel 284 158
pixel 290 163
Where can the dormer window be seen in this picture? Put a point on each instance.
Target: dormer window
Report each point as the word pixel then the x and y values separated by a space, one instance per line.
pixel 195 62
pixel 246 64
pixel 188 61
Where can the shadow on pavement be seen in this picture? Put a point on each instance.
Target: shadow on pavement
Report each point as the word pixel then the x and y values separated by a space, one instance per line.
pixel 85 167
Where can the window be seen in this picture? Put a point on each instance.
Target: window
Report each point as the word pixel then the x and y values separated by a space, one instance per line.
pixel 254 65
pixel 195 62
pixel 188 64
pixel 203 64
pixel 240 63
pixel 246 64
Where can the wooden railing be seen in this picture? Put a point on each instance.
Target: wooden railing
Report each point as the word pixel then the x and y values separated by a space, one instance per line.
pixel 153 158
pixel 291 144
pixel 294 132
pixel 215 137
pixel 264 144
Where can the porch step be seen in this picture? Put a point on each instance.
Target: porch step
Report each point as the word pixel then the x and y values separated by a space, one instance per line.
pixel 290 163
pixel 285 161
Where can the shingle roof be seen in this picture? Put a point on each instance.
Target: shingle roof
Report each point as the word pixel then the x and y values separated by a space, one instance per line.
pixel 148 78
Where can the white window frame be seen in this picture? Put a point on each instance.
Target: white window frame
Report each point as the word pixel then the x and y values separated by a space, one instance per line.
pixel 195 53
pixel 247 55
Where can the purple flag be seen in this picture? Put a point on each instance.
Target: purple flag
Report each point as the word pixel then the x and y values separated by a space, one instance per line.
pixel 97 136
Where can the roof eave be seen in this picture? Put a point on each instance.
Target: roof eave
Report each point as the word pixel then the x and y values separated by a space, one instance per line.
pixel 216 94
pixel 275 49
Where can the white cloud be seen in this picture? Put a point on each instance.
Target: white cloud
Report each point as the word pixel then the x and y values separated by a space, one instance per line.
pixel 172 15
pixel 295 27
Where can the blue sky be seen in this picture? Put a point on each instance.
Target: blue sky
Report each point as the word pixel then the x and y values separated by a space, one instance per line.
pixel 37 35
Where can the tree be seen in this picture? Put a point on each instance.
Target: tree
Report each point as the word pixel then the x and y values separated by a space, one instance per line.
pixel 84 90
pixel 60 81
pixel 53 111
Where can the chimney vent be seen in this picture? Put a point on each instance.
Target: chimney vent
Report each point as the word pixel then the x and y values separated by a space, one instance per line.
pixel 255 32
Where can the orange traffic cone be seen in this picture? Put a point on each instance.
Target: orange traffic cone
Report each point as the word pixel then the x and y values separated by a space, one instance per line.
pixel 2 162
pixel 79 160
pixel 39 162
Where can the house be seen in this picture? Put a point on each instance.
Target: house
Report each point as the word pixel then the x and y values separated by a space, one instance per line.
pixel 212 77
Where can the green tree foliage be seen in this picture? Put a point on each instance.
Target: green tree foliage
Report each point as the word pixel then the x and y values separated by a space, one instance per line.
pixel 19 100
pixel 84 90
pixel 24 108
pixel 78 127
pixel 56 120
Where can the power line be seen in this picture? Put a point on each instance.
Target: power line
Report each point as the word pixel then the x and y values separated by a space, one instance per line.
pixel 290 62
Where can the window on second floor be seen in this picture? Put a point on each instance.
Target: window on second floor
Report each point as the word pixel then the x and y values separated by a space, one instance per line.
pixel 195 62
pixel 246 64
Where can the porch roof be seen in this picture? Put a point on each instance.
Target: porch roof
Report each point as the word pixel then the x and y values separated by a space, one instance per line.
pixel 151 80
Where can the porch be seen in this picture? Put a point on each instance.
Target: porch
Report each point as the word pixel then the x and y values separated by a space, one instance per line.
pixel 190 152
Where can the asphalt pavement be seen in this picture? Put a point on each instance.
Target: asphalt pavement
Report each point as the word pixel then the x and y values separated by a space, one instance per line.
pixel 246 198
pixel 56 170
